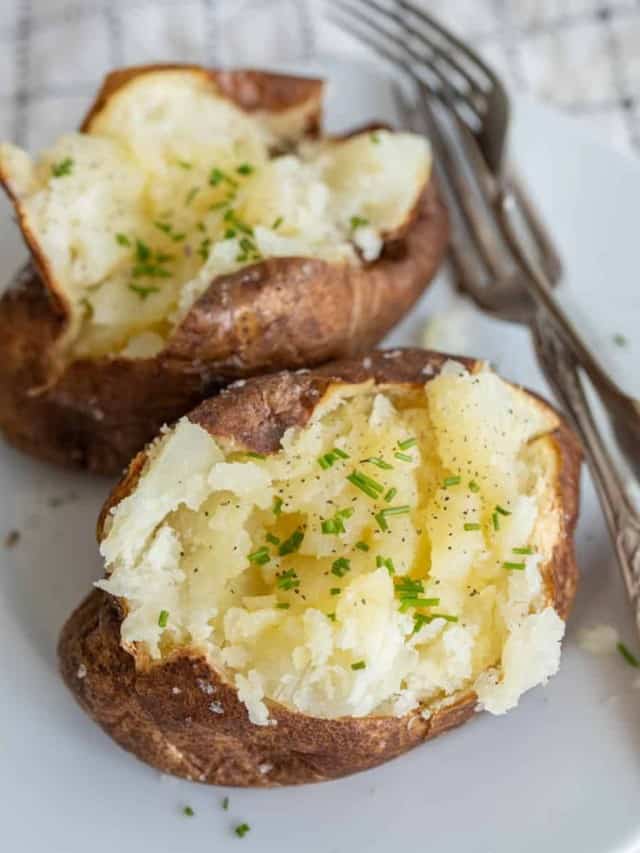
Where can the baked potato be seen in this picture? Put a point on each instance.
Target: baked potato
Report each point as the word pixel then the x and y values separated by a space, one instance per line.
pixel 313 572
pixel 199 229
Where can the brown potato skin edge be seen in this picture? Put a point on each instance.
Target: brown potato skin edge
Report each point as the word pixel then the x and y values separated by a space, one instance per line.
pixel 281 313
pixel 177 732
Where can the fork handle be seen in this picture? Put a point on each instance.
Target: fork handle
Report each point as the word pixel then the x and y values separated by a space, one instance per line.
pixel 562 372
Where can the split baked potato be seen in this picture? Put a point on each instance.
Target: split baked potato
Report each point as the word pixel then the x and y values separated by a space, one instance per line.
pixel 196 230
pixel 313 572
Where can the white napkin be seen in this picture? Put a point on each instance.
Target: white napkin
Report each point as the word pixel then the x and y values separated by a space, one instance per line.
pixel 582 55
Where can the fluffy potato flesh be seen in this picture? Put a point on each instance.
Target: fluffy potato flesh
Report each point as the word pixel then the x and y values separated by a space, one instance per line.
pixel 388 556
pixel 173 185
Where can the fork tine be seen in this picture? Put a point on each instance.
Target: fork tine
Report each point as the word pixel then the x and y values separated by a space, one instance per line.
pixel 475 100
pixel 490 247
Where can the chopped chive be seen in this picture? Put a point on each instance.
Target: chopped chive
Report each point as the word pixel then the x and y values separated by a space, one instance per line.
pixel 381 521
pixel 225 804
pixel 418 602
pixel 396 510
pixel 272 539
pixel 328 525
pixel 260 557
pixel 527 550
pixel 163 618
pixel 407 443
pixel 163 226
pixel 178 237
pixel 283 605
pixel 242 829
pixel 184 164
pixel 358 222
pixel 331 616
pixel 374 136
pixel 340 453
pixel 216 176
pixel 406 587
pixel 143 252
pixel 366 484
pixel 292 543
pixel 620 340
pixel 502 511
pixel 390 495
pixel 473 486
pixel 447 616
pixel 277 506
pixel 288 580
pixel 188 811
pixel 245 169
pixel 630 658
pixel 230 233
pixel 472 526
pixel 340 567
pixel 64 167
pixel 360 664
pixel 419 621
pixel 379 463
pixel 496 521
pixel 514 567
pixel 277 223
pixel 451 481
pixel 403 457
pixel 335 590
pixel 123 240
pixel 253 455
pixel 193 192
pixel 387 563
pixel 143 292
pixel 362 546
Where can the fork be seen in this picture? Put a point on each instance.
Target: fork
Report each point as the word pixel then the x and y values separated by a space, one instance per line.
pixel 501 253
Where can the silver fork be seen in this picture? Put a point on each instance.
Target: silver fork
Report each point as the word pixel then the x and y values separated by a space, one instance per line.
pixel 501 253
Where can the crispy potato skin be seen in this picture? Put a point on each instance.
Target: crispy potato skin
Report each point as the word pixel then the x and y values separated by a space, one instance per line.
pixel 163 712
pixel 282 313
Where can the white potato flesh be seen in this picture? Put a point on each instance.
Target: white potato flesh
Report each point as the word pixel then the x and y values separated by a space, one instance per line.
pixel 341 595
pixel 173 185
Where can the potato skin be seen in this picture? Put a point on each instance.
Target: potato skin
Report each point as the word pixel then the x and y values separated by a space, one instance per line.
pixel 282 313
pixel 163 712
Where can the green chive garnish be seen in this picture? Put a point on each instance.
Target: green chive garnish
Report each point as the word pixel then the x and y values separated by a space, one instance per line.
pixel 379 463
pixel 362 546
pixel 340 453
pixel 142 291
pixel 620 340
pixel 514 567
pixel 283 605
pixel 242 829
pixel 472 526
pixel 277 506
pixel 451 481
pixel 292 543
pixel 473 486
pixel 188 811
pixel 245 169
pixel 252 455
pixel 184 164
pixel 340 567
pixel 496 521
pixel 123 240
pixel 331 616
pixel 407 443
pixel 360 664
pixel 225 804
pixel 272 539
pixel 418 602
pixel 335 590
pixel 358 222
pixel 630 658
pixel 193 192
pixel 447 616
pixel 277 223
pixel 260 557
pixel 64 167
pixel 387 563
pixel 502 511
pixel 366 484
pixel 163 618
pixel 381 517
pixel 403 457
pixel 527 550
pixel 374 136
pixel 288 580
pixel 390 495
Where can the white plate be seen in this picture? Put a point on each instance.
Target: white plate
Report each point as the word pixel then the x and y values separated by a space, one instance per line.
pixel 560 773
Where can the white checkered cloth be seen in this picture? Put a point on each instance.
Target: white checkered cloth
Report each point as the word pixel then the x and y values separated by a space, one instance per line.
pixel 582 55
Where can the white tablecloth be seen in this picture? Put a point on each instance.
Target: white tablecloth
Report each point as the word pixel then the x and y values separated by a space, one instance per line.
pixel 583 55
